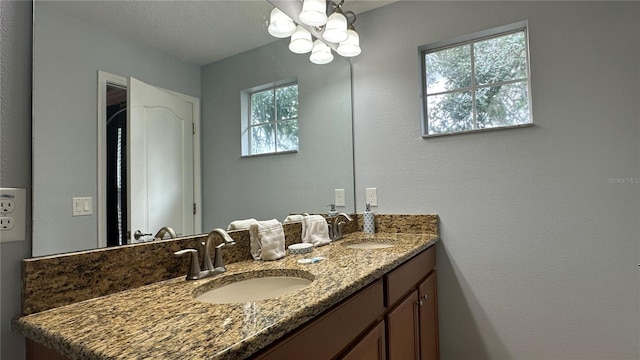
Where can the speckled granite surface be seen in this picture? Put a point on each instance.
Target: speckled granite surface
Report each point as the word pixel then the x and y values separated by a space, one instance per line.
pixel 404 223
pixel 163 321
pixel 52 281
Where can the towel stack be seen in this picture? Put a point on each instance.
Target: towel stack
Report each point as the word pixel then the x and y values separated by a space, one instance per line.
pixel 241 224
pixel 267 240
pixel 315 230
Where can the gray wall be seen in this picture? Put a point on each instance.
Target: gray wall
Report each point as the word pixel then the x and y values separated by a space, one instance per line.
pixel 274 186
pixel 68 54
pixel 15 156
pixel 539 250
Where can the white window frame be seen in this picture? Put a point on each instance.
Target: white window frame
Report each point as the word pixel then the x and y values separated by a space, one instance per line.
pixel 245 104
pixel 465 40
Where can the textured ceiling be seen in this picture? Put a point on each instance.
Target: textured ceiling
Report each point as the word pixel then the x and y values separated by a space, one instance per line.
pixel 199 32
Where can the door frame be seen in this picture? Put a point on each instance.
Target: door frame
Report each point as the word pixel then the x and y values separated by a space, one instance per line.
pixel 105 78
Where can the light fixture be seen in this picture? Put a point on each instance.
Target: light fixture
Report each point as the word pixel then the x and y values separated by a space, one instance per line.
pixel 321 53
pixel 328 21
pixel 314 12
pixel 351 46
pixel 280 25
pixel 335 30
pixel 301 42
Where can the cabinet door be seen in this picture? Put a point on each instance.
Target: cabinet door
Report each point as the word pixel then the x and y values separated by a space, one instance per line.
pixel 402 325
pixel 371 347
pixel 332 332
pixel 428 318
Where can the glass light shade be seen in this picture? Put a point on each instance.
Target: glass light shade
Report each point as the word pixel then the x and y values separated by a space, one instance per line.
pixel 280 25
pixel 301 42
pixel 336 29
pixel 321 53
pixel 351 46
pixel 314 13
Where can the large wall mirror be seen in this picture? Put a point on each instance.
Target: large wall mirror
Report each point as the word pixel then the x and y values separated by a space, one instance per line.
pixel 210 51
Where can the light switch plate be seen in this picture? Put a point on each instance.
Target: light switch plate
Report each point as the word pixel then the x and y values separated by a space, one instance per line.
pixel 82 206
pixel 13 214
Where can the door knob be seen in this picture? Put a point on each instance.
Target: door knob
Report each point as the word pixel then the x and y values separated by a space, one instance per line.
pixel 138 234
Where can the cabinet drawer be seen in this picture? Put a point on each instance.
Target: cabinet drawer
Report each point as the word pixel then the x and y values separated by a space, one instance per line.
pixel 327 336
pixel 403 279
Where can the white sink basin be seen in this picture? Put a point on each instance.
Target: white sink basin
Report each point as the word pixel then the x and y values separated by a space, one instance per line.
pixel 250 287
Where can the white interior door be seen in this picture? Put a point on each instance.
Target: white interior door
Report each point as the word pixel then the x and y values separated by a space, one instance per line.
pixel 160 161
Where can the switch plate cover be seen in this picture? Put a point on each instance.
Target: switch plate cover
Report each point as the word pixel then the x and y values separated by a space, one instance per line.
pixel 372 196
pixel 339 197
pixel 82 206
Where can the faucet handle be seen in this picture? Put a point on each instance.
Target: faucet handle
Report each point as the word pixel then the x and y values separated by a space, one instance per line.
pixel 218 262
pixel 338 230
pixel 194 267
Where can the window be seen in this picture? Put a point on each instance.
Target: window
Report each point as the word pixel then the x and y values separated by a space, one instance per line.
pixel 478 82
pixel 272 125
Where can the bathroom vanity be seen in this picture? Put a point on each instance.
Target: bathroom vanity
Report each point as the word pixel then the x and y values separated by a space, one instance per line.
pixel 395 315
pixel 362 303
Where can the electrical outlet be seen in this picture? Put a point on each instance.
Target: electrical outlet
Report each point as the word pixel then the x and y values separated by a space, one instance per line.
pixel 13 214
pixel 6 223
pixel 7 206
pixel 339 197
pixel 372 196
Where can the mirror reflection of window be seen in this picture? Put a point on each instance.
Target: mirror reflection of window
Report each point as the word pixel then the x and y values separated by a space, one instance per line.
pixel 273 125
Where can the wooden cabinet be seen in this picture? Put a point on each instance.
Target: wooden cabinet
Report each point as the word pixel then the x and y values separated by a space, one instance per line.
pixel 370 347
pixel 36 351
pixel 412 322
pixel 402 323
pixel 401 318
pixel 328 335
pixel 428 313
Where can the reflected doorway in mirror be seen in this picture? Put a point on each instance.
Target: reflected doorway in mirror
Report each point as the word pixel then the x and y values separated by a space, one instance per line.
pixel 149 164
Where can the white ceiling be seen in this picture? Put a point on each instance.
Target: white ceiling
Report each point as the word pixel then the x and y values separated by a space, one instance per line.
pixel 200 32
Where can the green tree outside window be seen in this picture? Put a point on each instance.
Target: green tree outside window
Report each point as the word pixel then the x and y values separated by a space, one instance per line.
pixel 274 120
pixel 477 84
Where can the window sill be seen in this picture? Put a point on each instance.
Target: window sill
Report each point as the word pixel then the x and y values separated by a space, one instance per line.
pixel 269 154
pixel 427 136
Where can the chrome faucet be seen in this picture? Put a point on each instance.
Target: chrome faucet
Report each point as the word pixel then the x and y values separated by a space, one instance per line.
pixel 164 231
pixel 210 269
pixel 336 226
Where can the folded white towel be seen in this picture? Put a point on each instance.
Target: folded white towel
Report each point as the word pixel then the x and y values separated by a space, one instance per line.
pixel 293 218
pixel 241 224
pixel 267 240
pixel 315 230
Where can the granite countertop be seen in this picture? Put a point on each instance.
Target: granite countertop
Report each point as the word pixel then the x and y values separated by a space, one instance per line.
pixel 164 321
